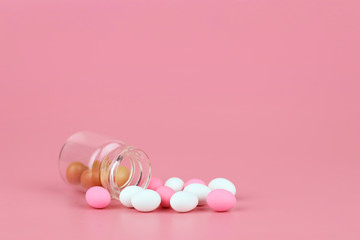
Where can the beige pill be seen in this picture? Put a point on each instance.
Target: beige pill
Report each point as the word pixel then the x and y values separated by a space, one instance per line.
pixel 74 171
pixel 90 178
pixel 96 165
pixel 122 175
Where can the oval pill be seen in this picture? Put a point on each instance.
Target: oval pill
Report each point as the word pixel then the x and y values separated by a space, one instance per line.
pixel 155 183
pixel 183 201
pixel 122 175
pixel 222 183
pixel 146 201
pixel 127 193
pixel 165 194
pixel 175 183
pixel 221 200
pixel 74 171
pixel 98 197
pixel 195 180
pixel 201 191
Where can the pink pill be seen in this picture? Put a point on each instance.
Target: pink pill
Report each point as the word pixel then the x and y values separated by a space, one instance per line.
pixel 98 197
pixel 155 183
pixel 194 181
pixel 221 200
pixel 165 194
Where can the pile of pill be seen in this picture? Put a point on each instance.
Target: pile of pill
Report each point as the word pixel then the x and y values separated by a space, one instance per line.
pixel 219 195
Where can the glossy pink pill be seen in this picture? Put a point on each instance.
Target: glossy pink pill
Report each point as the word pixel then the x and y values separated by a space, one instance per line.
pixel 165 194
pixel 194 181
pixel 221 200
pixel 155 183
pixel 98 197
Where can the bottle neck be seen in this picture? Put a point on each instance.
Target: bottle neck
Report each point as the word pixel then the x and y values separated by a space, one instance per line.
pixel 129 162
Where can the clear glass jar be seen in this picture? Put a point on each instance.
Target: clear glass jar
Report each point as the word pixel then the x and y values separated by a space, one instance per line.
pixel 88 159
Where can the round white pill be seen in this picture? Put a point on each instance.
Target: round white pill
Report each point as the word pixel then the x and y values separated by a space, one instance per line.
pixel 175 183
pixel 127 193
pixel 200 190
pixel 146 201
pixel 222 183
pixel 183 201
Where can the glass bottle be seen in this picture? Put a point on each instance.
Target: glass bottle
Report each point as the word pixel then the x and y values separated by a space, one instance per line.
pixel 88 159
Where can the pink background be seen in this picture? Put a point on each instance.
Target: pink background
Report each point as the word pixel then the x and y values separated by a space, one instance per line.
pixel 265 93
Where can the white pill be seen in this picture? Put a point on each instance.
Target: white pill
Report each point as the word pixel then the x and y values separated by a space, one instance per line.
pixel 175 183
pixel 200 190
pixel 146 201
pixel 183 201
pixel 127 193
pixel 222 183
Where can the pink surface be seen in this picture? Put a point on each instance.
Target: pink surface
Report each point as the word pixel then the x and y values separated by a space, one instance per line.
pixel 265 93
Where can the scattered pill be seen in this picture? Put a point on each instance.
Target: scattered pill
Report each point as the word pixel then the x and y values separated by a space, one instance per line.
pixel 201 191
pixel 98 197
pixel 194 181
pixel 127 193
pixel 146 201
pixel 155 183
pixel 122 175
pixel 219 194
pixel 221 200
pixel 74 171
pixel 183 201
pixel 165 194
pixel 222 183
pixel 175 183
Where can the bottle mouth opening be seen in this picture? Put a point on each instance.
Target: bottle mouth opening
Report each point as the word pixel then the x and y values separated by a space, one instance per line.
pixel 126 167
